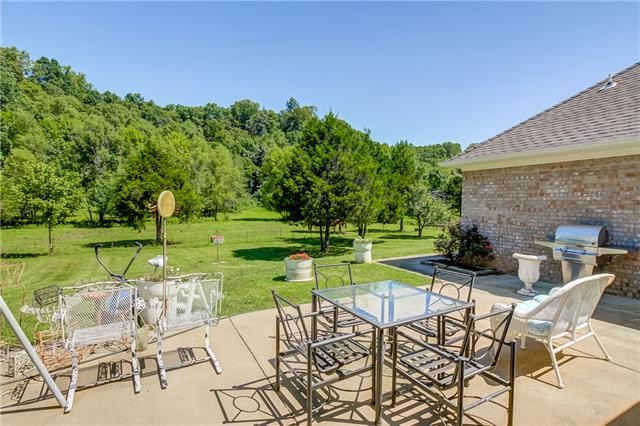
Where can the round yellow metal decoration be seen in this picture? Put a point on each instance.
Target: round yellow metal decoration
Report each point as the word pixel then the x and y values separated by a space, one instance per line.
pixel 166 204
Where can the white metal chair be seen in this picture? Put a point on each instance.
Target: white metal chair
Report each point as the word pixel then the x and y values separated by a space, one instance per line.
pixel 98 313
pixel 193 300
pixel 565 313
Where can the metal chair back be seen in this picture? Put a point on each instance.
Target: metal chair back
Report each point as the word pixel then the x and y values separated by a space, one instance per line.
pixel 457 285
pixel 193 300
pixel 97 313
pixel 293 325
pixel 333 275
pixel 479 344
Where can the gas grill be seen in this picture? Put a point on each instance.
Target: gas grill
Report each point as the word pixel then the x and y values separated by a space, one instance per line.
pixel 577 247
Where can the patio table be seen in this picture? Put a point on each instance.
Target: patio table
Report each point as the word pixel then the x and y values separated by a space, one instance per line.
pixel 386 305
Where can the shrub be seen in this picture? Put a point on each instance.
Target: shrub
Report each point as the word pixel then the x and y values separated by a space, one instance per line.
pixel 464 244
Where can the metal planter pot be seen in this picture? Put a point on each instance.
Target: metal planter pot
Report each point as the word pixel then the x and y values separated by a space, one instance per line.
pixel 298 270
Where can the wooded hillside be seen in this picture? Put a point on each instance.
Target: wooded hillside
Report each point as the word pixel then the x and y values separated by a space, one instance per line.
pixel 67 148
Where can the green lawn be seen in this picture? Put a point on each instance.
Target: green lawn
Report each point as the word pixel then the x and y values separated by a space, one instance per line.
pixel 256 241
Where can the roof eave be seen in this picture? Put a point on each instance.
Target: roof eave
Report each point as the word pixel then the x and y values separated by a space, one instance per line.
pixel 601 149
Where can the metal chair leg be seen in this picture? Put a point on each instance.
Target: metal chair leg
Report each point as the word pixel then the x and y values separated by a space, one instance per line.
pixel 460 406
pixel 135 366
pixel 277 385
pixel 73 384
pixel 394 364
pixel 512 382
pixel 374 345
pixel 309 402
pixel 207 347
pixel 161 370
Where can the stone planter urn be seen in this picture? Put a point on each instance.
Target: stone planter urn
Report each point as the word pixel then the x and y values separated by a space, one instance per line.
pixel 363 246
pixel 528 272
pixel 298 267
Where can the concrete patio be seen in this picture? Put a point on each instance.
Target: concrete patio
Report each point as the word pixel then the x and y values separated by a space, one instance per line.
pixel 597 392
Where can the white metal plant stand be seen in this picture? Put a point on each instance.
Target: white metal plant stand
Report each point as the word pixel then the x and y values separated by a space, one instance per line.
pixel 192 300
pixel 99 313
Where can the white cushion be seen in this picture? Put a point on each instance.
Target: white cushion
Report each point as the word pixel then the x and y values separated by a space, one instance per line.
pixel 539 327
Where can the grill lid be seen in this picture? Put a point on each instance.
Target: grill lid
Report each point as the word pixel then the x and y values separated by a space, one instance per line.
pixel 581 235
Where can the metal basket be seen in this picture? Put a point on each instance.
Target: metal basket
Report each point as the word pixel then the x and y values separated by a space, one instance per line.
pixel 14 360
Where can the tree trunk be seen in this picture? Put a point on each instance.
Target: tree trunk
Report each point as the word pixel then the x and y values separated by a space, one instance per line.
pixel 90 215
pixel 50 225
pixel 401 223
pixel 327 234
pixel 158 228
pixel 420 227
pixel 101 218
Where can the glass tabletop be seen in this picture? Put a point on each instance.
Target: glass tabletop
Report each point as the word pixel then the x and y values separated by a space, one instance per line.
pixel 390 303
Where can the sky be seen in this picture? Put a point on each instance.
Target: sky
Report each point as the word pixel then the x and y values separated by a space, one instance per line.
pixel 423 72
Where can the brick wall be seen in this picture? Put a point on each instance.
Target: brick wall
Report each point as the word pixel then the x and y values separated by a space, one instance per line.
pixel 516 205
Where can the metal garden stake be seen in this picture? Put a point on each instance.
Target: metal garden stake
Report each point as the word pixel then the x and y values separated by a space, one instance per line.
pixel 166 206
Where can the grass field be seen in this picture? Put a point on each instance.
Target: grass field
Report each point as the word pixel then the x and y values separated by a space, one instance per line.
pixel 256 241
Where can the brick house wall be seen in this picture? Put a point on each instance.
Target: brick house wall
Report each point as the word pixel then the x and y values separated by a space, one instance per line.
pixel 513 206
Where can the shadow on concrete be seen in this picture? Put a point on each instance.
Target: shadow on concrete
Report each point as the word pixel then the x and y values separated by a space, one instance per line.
pixel 630 417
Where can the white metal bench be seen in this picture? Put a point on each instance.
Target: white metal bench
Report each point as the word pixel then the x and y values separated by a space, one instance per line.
pixel 192 300
pixel 98 313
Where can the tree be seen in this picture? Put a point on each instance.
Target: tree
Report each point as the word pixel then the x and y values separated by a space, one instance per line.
pixel 316 181
pixel 403 169
pixel 162 163
pixel 242 112
pixel 367 199
pixel 47 195
pixel 425 208
pixel 217 178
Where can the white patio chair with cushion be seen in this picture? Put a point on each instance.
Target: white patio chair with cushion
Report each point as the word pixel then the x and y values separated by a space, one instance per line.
pixel 564 314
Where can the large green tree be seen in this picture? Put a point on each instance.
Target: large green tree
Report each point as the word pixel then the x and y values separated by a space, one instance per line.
pixel 323 180
pixel 47 195
pixel 217 178
pixel 425 208
pixel 161 163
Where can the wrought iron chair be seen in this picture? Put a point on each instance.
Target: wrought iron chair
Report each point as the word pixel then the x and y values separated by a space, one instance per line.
pixel 448 329
pixel 325 357
pixel 437 369
pixel 193 300
pixel 335 275
pixel 99 313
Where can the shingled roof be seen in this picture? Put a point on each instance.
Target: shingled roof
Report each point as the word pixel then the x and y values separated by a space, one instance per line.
pixel 596 119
